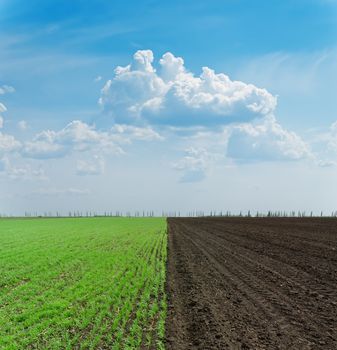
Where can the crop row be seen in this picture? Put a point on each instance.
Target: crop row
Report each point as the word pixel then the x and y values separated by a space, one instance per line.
pixel 82 284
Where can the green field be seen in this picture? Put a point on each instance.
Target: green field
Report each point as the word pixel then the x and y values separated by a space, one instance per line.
pixel 82 283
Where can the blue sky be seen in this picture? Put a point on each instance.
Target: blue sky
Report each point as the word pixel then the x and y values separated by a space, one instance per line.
pixel 166 133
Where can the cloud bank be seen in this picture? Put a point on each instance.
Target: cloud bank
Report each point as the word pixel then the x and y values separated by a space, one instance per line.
pixel 78 136
pixel 222 118
pixel 265 141
pixel 171 95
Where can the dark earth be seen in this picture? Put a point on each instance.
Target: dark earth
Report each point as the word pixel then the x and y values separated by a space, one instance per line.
pixel 252 283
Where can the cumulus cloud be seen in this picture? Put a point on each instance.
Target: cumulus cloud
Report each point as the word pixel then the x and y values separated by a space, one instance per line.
pixel 166 93
pixel 26 173
pixel 6 89
pixel 124 133
pixel 171 95
pixel 41 148
pixel 90 167
pixel 76 136
pixel 326 147
pixel 22 125
pixel 195 164
pixel 265 141
pixel 23 172
pixel 326 163
pixel 8 143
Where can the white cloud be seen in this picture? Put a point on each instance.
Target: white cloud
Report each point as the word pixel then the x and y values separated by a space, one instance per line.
pixel 8 143
pixel 76 136
pixel 195 164
pixel 326 163
pixel 22 125
pixel 25 172
pixel 265 141
pixel 2 108
pixel 174 96
pixel 5 89
pixel 195 159
pixel 171 67
pixel 93 167
pixel 97 79
pixel 168 94
pixel 128 133
pixel 326 146
pixel 43 149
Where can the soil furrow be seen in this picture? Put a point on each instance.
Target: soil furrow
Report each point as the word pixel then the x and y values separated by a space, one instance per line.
pixel 252 283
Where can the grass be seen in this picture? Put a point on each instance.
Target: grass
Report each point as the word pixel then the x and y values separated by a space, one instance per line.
pixel 85 283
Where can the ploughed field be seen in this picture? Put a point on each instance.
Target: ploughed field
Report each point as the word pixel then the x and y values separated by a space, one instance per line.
pixel 82 283
pixel 252 283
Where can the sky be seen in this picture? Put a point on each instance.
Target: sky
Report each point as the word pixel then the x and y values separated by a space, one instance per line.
pixel 168 106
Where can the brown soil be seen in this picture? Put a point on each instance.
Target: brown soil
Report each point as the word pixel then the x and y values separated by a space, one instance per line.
pixel 252 283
